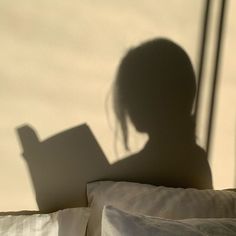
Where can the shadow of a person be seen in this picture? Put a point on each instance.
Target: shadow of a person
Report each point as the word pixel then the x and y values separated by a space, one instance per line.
pixel 155 88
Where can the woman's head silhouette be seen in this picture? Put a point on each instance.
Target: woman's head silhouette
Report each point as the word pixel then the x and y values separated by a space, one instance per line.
pixel 155 88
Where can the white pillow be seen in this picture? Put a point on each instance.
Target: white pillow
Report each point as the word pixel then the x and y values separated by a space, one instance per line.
pixel 119 223
pixel 68 222
pixel 172 203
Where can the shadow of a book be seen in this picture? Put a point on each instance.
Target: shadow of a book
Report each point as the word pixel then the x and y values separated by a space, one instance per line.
pixel 62 165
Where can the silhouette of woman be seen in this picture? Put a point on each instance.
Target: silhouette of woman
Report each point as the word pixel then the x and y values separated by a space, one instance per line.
pixel 155 89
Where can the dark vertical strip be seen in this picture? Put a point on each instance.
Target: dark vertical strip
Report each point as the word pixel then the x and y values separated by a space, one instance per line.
pixel 215 74
pixel 235 157
pixel 202 55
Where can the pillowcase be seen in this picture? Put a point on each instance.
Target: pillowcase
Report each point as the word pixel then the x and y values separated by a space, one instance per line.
pixel 119 223
pixel 72 221
pixel 172 203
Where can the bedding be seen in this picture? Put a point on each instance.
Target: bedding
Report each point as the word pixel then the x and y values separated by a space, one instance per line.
pixel 172 203
pixel 68 222
pixel 119 223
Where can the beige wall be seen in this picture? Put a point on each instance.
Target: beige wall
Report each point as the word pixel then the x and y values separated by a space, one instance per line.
pixel 58 60
pixel 224 132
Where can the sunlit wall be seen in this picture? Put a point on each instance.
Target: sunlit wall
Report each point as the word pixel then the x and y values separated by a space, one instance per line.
pixel 58 61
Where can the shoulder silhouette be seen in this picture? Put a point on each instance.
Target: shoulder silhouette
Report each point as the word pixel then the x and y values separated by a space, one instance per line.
pixel 155 88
